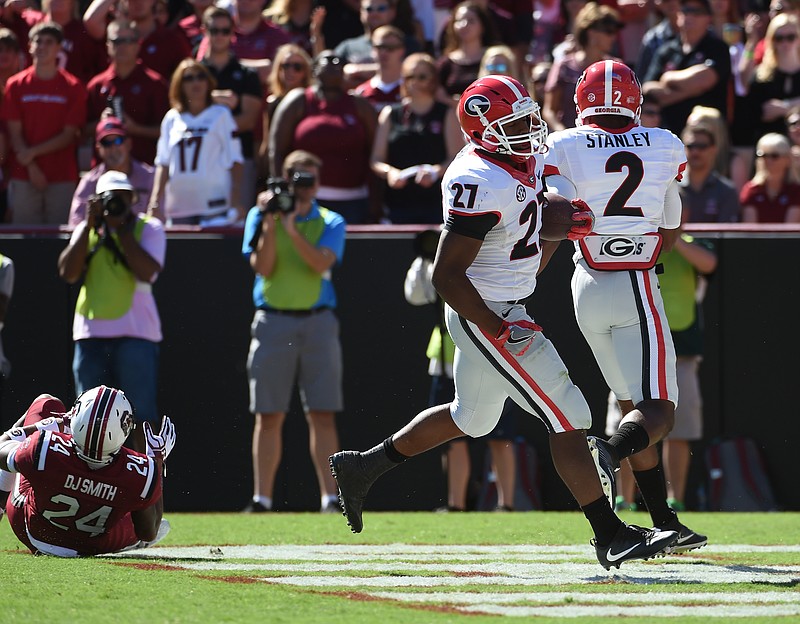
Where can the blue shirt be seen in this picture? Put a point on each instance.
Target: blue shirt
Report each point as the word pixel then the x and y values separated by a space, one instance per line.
pixel 333 237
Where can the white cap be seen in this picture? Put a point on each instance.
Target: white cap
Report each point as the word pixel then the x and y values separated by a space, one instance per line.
pixel 113 181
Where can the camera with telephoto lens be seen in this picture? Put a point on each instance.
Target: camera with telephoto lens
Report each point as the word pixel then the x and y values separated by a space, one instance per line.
pixel 113 203
pixel 283 191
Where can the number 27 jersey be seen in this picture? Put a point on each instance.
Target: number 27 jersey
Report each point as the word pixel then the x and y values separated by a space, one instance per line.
pixel 476 186
pixel 623 175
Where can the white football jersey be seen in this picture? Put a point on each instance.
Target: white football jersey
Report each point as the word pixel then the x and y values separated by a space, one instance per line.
pixel 506 265
pixel 623 176
pixel 199 152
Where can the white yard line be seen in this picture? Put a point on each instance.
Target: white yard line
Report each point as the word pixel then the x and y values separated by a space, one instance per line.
pixel 439 571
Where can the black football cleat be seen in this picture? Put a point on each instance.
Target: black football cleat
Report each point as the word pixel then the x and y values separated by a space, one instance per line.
pixel 634 542
pixel 687 539
pixel 353 482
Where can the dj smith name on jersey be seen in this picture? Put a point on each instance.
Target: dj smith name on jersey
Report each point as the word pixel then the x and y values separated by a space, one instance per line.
pixel 629 139
pixel 87 486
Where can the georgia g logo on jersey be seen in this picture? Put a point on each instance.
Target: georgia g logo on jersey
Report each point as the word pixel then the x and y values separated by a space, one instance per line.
pixel 477 105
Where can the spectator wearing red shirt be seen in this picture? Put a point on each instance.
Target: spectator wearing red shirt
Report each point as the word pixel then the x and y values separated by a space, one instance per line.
pixel 388 45
pixel 162 48
pixel 45 108
pixel 138 92
pixel 81 55
pixel 255 39
pixel 773 194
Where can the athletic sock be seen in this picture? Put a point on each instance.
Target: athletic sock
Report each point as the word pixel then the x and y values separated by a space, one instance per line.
pixel 654 492
pixel 266 501
pixel 392 453
pixel 629 439
pixel 604 521
pixel 381 458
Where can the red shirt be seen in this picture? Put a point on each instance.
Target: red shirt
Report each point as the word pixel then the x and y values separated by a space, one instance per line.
pixel 377 96
pixel 163 49
pixel 145 99
pixel 770 210
pixel 333 131
pixel 69 505
pixel 45 107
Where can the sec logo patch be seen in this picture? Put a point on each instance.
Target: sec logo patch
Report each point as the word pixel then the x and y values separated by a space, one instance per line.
pixel 520 193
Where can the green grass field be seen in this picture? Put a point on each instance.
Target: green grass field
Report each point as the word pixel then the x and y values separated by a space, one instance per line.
pixel 411 567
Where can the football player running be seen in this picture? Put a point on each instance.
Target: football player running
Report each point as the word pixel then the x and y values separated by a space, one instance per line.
pixel 78 491
pixel 629 174
pixel 485 270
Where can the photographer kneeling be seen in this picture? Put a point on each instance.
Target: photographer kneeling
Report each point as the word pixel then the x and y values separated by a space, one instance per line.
pixel 116 328
pixel 292 243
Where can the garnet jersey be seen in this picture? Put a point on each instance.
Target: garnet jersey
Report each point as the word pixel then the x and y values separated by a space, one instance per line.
pixel 199 151
pixel 623 175
pixel 68 505
pixel 474 185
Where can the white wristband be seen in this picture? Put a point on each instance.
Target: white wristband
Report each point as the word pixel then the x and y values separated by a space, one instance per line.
pixel 17 434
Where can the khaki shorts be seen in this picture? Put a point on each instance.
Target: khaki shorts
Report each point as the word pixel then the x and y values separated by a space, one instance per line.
pixel 285 350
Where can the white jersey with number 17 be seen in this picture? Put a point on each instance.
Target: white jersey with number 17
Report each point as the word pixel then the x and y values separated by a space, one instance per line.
pixel 506 265
pixel 199 152
pixel 623 175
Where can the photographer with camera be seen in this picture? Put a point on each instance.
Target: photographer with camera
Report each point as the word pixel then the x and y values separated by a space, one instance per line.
pixel 292 244
pixel 116 328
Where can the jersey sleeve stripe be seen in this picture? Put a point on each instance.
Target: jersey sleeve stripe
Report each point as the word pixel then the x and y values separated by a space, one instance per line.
pixel 40 454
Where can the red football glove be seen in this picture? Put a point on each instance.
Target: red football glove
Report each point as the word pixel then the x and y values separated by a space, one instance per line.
pixel 585 218
pixel 516 336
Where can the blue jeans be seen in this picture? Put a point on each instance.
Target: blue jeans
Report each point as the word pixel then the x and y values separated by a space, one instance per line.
pixel 129 364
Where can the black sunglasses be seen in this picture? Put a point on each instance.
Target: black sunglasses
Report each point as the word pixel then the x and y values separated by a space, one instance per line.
pixel 194 78
pixel 220 31
pixel 787 37
pixel 123 41
pixel 111 141
pixel 698 146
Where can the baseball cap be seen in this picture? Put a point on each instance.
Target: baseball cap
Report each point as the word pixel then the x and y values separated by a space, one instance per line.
pixel 110 126
pixel 113 181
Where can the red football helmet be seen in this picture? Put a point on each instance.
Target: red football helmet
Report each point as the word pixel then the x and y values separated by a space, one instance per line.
pixel 492 102
pixel 608 88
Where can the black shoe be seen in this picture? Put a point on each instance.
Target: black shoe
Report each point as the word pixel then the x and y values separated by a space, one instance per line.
pixel 606 467
pixel 255 507
pixel 687 539
pixel 353 482
pixel 634 542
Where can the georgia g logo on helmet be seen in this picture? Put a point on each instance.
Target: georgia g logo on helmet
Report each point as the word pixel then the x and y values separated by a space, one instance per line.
pixel 477 105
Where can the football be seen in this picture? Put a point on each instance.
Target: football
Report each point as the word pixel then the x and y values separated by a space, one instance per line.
pixel 556 217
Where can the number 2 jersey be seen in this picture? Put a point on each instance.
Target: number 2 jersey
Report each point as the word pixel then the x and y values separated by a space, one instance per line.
pixel 199 152
pixel 67 506
pixel 490 200
pixel 622 174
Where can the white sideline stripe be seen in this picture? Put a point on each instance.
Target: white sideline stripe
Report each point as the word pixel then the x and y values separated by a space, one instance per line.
pixel 569 611
pixel 650 598
pixel 563 574
pixel 506 573
pixel 412 552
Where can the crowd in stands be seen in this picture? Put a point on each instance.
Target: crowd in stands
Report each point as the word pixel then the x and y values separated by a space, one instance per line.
pixel 367 86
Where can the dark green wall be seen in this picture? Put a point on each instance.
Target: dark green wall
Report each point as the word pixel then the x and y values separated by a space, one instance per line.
pixel 204 296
